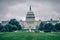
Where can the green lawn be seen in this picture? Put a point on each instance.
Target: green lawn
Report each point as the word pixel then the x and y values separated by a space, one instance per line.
pixel 29 36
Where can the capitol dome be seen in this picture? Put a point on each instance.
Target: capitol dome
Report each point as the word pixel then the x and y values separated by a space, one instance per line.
pixel 30 15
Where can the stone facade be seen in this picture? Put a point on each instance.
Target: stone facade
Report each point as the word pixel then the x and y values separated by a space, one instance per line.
pixel 30 23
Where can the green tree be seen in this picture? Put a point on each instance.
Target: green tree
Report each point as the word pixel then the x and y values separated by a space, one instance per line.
pixel 41 26
pixel 48 27
pixel 1 27
pixel 3 30
pixel 10 27
pixel 57 27
pixel 14 27
pixel 15 22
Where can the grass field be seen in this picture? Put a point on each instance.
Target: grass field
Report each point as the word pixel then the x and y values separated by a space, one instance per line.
pixel 29 36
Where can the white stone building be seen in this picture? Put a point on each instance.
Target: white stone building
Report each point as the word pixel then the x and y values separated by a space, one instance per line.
pixel 4 23
pixel 30 23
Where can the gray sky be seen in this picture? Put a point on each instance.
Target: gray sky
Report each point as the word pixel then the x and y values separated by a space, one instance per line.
pixel 43 9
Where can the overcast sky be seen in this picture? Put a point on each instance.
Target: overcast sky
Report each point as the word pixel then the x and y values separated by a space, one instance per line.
pixel 43 9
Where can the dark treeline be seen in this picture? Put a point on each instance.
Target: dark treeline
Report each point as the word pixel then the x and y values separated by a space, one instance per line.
pixel 12 25
pixel 49 27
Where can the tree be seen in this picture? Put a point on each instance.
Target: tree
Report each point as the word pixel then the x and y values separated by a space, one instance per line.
pixel 1 27
pixel 3 30
pixel 57 27
pixel 10 27
pixel 48 27
pixel 41 26
pixel 14 28
pixel 15 22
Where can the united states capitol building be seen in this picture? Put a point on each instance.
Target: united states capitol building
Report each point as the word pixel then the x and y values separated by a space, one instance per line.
pixel 30 23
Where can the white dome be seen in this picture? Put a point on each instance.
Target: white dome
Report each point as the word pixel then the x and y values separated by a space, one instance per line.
pixel 30 14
